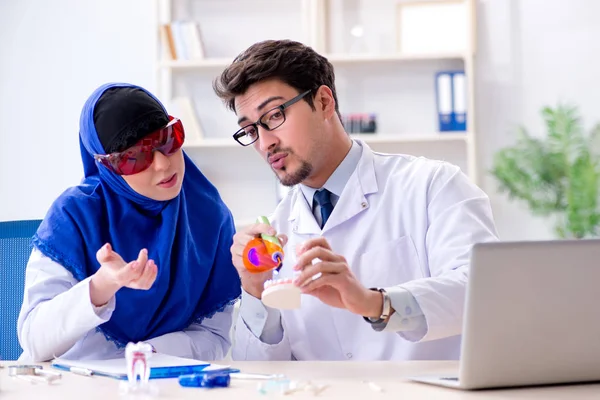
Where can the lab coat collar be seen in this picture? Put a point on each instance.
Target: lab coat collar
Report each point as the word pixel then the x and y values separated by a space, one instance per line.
pixel 352 201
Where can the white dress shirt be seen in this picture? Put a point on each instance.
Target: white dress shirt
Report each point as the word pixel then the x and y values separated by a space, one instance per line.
pixel 58 319
pixel 403 223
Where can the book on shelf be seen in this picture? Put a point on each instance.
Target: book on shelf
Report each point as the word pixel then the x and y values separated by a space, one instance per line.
pixel 360 122
pixel 182 40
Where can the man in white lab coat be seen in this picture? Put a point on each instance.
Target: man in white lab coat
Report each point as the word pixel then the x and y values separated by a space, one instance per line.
pixel 382 241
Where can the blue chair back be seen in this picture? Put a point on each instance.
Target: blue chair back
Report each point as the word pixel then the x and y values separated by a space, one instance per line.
pixel 15 249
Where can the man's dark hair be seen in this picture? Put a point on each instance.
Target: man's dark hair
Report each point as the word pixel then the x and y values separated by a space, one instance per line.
pixel 293 63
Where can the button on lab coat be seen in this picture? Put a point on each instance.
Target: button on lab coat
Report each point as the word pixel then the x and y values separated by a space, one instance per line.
pixel 400 221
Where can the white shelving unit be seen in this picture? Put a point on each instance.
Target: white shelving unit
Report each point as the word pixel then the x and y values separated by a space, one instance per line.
pixel 370 139
pixel 335 59
pixel 398 86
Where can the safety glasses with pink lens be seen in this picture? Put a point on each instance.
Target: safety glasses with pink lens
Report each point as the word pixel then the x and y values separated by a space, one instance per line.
pixel 139 157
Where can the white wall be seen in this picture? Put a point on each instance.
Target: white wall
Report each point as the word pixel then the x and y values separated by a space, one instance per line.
pixel 54 54
pixel 531 53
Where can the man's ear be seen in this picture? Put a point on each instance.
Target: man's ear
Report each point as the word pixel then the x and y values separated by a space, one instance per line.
pixel 324 101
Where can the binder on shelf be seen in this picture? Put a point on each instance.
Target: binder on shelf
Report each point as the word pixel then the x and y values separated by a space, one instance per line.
pixel 451 101
pixel 459 100
pixel 444 100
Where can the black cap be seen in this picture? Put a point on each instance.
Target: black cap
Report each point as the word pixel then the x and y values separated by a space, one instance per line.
pixel 124 115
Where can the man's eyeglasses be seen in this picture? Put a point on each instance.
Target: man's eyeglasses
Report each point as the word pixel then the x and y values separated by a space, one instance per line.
pixel 270 120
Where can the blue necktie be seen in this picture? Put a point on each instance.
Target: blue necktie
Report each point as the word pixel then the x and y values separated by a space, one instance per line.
pixel 323 199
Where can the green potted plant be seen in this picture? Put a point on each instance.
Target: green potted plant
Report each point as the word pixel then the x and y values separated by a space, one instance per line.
pixel 558 175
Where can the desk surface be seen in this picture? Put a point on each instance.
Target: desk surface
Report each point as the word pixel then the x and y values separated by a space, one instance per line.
pixel 344 380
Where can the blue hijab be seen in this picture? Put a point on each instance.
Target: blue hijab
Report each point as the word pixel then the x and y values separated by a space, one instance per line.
pixel 189 238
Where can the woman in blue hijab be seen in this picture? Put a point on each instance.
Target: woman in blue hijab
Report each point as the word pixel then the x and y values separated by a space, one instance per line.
pixel 138 251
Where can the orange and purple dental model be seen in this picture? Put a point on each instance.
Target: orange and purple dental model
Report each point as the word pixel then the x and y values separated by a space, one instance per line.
pixel 264 253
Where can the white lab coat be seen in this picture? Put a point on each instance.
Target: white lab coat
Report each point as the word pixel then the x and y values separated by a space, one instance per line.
pixel 58 319
pixel 401 220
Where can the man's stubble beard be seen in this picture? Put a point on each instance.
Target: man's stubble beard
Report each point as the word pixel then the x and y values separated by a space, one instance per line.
pixel 298 177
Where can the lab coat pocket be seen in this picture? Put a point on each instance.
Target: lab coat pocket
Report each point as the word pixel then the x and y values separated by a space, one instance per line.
pixel 389 264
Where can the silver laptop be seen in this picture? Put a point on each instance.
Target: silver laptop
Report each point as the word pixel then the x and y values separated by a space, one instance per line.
pixel 532 316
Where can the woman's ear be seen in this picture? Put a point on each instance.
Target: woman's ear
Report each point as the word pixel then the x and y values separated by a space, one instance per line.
pixel 324 101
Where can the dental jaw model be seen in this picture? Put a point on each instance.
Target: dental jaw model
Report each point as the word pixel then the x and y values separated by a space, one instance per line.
pixel 282 294
pixel 266 254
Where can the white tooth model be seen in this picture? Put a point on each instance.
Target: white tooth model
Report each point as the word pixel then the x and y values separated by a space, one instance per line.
pixel 137 356
pixel 138 367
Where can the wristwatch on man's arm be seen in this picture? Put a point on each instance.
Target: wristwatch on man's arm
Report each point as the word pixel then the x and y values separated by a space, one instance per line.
pixel 379 323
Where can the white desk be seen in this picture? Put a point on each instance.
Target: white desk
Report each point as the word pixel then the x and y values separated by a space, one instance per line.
pixel 345 380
